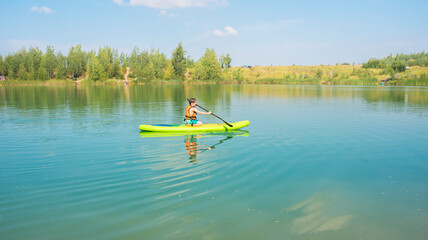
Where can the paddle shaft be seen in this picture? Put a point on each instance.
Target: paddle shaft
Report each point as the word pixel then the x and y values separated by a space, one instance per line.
pixel 228 124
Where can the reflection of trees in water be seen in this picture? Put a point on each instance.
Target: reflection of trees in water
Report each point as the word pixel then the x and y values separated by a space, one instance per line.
pixel 399 95
pixel 146 97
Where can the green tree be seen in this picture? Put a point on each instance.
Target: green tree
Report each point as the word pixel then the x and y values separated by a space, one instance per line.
pixel 124 62
pixel 21 57
pixel 115 72
pixel 178 61
pixel 169 70
pixel 416 59
pixel 11 65
pixel 138 62
pixel 225 61
pixel 158 63
pixel 149 72
pixel 208 67
pixel 11 73
pixel 2 67
pixel 106 57
pixel 50 61
pixel 189 62
pixel 95 70
pixel 399 66
pixel 374 63
pixel 34 60
pixel 43 72
pixel 60 67
pixel 22 72
pixel 77 61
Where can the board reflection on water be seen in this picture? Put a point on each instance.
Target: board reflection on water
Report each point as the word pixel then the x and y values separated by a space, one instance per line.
pixel 183 158
pixel 193 148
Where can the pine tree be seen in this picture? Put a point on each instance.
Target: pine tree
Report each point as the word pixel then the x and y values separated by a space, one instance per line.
pixel 96 71
pixel 179 62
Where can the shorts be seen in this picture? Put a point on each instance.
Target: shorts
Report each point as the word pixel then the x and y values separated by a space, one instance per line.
pixel 192 122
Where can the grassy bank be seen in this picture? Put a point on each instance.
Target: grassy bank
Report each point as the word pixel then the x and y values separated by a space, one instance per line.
pixel 329 75
pixel 288 75
pixel 37 82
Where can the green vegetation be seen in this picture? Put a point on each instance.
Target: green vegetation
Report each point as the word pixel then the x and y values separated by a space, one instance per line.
pixel 107 66
pixel 208 67
pixel 76 61
pixel 179 62
pixel 398 63
pixel 400 69
pixel 328 75
pixel 416 59
pixel 225 61
pixel 398 66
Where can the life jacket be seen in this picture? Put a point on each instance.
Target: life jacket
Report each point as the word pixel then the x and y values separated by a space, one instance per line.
pixel 187 115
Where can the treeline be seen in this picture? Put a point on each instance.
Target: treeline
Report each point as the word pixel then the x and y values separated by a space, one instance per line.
pixel 398 62
pixel 107 63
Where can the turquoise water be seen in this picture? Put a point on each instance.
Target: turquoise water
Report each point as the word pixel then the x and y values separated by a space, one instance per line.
pixel 316 162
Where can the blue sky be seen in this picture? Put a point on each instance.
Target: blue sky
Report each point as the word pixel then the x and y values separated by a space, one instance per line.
pixel 253 32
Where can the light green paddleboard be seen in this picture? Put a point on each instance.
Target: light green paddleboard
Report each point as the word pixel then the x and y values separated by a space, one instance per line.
pixel 210 127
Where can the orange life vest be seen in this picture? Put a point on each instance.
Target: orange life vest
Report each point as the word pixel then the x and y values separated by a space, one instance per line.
pixel 187 116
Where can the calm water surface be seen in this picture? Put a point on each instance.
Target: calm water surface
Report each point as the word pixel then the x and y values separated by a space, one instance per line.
pixel 316 162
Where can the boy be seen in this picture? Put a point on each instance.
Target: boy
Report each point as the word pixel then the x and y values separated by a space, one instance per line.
pixel 191 111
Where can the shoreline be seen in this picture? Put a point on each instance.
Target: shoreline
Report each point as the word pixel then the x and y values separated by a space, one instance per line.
pixel 276 75
pixel 273 81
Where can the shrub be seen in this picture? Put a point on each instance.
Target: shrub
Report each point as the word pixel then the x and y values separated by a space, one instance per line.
pixel 399 66
pixel 374 63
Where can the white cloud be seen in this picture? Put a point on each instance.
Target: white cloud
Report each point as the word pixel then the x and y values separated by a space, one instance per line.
pixel 41 9
pixel 167 14
pixel 118 2
pixel 169 4
pixel 228 31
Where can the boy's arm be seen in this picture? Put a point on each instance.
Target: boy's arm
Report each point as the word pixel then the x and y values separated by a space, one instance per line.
pixel 204 113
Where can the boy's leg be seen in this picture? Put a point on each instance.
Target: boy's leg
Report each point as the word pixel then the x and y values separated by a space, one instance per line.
pixel 199 123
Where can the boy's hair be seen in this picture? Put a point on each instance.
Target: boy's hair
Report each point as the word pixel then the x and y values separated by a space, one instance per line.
pixel 192 100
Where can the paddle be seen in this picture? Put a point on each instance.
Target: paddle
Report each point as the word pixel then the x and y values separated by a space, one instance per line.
pixel 228 124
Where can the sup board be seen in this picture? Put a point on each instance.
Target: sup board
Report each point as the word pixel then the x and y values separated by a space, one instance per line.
pixel 209 127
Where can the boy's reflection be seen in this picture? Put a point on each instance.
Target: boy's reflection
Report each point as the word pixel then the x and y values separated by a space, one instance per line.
pixel 193 148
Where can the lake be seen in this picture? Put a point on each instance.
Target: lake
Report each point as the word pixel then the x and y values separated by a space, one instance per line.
pixel 316 162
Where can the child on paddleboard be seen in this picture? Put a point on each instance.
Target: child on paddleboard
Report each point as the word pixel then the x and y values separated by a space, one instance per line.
pixel 191 111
